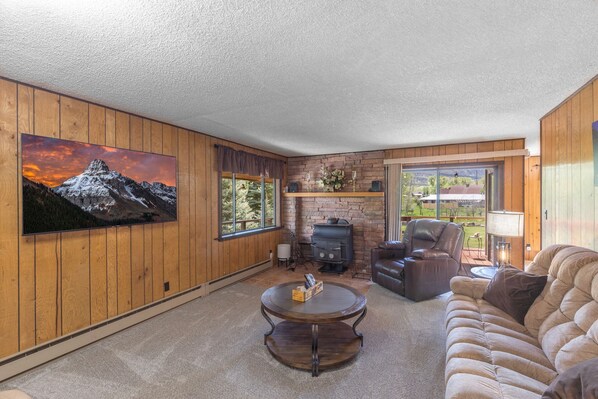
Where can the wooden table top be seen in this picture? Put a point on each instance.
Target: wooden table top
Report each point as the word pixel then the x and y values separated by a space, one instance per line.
pixel 336 302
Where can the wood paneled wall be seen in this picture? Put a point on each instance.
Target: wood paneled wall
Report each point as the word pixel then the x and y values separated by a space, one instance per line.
pixel 569 197
pixel 514 169
pixel 54 284
pixel 533 205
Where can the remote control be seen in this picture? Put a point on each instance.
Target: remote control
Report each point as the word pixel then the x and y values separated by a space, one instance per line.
pixel 309 278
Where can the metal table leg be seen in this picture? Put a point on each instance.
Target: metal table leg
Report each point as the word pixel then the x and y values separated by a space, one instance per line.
pixel 359 319
pixel 315 359
pixel 269 320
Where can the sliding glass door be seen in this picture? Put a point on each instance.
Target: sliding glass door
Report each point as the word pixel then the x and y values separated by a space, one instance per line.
pixel 458 194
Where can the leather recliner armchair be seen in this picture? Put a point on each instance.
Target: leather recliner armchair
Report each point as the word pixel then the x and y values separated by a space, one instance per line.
pixel 422 265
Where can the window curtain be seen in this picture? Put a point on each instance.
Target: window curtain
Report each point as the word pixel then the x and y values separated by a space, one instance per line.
pixel 394 173
pixel 231 160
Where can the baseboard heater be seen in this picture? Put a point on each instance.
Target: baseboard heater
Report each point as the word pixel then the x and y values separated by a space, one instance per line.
pixel 38 355
pixel 238 276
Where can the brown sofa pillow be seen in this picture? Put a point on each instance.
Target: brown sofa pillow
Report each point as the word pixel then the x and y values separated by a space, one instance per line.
pixel 514 291
pixel 580 381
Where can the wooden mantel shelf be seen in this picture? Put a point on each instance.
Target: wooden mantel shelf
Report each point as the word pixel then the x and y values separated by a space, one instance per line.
pixel 335 194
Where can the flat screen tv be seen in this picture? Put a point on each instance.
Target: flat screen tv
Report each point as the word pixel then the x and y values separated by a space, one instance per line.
pixel 69 185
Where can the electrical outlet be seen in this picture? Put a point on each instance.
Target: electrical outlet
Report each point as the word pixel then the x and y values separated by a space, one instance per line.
pixel 166 286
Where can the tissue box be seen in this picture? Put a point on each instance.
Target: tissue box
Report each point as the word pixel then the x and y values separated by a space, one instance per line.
pixel 303 294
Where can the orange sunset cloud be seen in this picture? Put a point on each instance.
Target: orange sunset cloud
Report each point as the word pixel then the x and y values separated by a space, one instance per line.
pixel 51 161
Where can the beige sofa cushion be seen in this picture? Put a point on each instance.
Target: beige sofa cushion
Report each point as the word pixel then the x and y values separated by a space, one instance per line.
pixel 489 354
pixel 564 318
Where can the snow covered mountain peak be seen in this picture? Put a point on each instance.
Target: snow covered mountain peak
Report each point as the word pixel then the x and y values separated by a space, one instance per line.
pixel 107 194
pixel 97 167
pixel 161 190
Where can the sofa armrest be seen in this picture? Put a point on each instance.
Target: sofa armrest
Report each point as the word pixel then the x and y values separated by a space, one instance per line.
pixel 536 268
pixel 471 287
pixel 429 254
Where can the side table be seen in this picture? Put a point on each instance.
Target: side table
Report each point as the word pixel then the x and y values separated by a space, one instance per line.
pixel 484 271
pixel 478 244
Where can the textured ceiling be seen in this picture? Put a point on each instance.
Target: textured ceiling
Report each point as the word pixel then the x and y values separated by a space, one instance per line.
pixel 312 77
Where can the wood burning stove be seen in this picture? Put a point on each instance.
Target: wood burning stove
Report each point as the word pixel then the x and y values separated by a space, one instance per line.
pixel 332 245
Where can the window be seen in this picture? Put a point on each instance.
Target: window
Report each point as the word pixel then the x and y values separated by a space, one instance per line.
pixel 456 194
pixel 247 203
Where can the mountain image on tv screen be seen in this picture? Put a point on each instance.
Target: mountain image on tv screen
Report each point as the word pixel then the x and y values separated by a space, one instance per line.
pixel 69 185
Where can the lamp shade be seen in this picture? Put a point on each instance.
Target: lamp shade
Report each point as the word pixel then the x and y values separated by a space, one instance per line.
pixel 504 224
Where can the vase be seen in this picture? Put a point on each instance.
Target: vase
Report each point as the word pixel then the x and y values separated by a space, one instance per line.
pixel 328 189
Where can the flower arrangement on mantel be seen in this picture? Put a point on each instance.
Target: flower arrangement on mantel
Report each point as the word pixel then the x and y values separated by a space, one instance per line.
pixel 332 180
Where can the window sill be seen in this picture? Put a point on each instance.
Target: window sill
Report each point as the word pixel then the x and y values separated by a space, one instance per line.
pixel 242 234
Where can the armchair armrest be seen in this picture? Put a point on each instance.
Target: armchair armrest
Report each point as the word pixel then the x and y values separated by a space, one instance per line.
pixel 471 287
pixel 425 278
pixel 429 254
pixel 391 245
pixel 380 253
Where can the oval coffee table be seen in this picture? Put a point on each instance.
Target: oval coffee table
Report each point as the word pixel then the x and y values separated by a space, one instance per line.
pixel 312 335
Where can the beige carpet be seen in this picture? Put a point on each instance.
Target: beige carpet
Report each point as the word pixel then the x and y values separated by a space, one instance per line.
pixel 213 348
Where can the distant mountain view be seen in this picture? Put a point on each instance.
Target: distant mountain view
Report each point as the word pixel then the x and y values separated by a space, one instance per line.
pixel 475 174
pixel 96 197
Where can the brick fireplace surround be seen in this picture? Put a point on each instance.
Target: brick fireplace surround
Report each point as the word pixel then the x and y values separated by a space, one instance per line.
pixel 365 213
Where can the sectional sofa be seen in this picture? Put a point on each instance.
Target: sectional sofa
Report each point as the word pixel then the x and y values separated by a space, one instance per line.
pixel 491 355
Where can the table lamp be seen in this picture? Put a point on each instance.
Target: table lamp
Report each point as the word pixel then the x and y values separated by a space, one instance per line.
pixel 504 224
